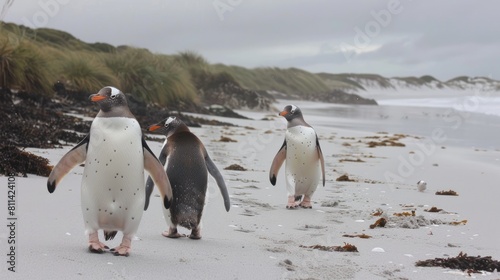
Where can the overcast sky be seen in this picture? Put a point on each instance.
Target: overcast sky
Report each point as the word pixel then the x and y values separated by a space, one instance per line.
pixel 446 38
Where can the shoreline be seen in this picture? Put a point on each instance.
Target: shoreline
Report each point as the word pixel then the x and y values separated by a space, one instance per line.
pixel 463 128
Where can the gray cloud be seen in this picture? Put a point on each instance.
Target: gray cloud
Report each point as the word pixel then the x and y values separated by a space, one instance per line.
pixel 440 38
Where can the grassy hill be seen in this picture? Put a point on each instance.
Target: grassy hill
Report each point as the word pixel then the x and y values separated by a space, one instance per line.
pixel 33 60
pixel 291 81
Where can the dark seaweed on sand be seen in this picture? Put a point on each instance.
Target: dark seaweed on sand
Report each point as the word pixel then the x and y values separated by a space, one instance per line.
pixel 29 120
pixel 37 121
pixel 364 236
pixel 235 167
pixel 449 192
pixel 433 209
pixel 344 178
pixel 346 248
pixel 15 162
pixel 379 223
pixel 463 262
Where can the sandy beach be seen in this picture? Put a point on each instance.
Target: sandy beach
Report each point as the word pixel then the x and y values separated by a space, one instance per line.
pixel 260 239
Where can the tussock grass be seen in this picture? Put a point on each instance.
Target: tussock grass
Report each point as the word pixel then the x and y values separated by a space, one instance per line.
pixel 291 80
pixel 81 71
pixel 153 78
pixel 22 66
pixel 34 59
pixel 150 77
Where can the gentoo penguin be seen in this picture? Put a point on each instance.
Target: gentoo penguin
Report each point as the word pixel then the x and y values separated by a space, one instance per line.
pixel 115 156
pixel 304 159
pixel 186 162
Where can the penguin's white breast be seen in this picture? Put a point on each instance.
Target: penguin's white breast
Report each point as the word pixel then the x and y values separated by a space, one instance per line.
pixel 113 177
pixel 300 142
pixel 302 167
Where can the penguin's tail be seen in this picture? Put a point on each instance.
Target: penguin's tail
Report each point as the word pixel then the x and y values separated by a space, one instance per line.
pixel 189 224
pixel 298 197
pixel 109 235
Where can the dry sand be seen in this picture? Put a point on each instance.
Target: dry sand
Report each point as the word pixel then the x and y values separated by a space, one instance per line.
pixel 259 238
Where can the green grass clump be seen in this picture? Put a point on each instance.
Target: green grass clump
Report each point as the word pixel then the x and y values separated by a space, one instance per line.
pixel 153 78
pixel 22 66
pixel 84 73
pixel 291 80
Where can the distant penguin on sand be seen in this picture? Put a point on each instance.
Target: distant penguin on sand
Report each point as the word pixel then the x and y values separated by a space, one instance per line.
pixel 304 159
pixel 112 190
pixel 186 163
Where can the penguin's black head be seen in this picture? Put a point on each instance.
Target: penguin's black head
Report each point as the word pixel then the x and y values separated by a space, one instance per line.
pixel 291 112
pixel 168 126
pixel 108 98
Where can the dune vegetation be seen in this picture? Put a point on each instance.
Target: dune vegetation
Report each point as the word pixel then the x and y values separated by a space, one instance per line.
pixel 32 60
pixel 291 81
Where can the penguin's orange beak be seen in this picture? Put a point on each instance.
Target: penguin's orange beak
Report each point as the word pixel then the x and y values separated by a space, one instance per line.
pixel 97 97
pixel 283 113
pixel 153 127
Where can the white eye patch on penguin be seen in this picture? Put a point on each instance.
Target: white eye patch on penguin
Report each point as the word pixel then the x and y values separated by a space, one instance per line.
pixel 114 92
pixel 169 120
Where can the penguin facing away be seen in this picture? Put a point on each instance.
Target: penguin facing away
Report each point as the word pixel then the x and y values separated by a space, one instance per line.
pixel 115 156
pixel 186 163
pixel 304 159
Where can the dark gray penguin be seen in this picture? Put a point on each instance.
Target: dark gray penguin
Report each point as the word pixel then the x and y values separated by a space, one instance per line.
pixel 186 163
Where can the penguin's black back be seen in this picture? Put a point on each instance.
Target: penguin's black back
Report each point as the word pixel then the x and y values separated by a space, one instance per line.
pixel 187 172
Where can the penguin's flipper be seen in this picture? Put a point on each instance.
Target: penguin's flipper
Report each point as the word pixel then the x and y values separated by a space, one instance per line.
pixel 277 162
pixel 156 171
pixel 72 158
pixel 212 169
pixel 150 183
pixel 321 159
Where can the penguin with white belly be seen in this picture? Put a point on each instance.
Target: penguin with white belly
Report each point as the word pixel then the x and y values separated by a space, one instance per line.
pixel 186 163
pixel 305 164
pixel 115 156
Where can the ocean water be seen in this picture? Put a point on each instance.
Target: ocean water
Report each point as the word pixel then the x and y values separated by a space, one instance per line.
pixel 473 104
pixel 465 121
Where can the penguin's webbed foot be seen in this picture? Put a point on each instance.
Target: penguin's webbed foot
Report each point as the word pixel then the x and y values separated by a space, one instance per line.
pixel 121 250
pixel 97 247
pixel 172 233
pixel 195 233
pixel 306 205
pixel 124 248
pixel 291 206
pixel 291 202
pixel 306 202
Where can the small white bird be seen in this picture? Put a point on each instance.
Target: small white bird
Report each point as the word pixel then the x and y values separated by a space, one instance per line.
pixel 421 186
